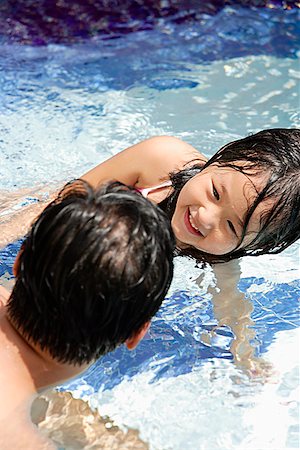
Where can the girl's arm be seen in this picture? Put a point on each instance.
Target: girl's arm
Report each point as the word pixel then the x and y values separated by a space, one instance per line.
pixel 19 209
pixel 233 309
pixel 146 163
pixel 143 165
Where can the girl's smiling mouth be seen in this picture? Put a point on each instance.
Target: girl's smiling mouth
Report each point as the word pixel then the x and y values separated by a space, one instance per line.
pixel 191 227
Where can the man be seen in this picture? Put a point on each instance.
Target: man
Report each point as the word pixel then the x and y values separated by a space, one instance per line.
pixel 92 271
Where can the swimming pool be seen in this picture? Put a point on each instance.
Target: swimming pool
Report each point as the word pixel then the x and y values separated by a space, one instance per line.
pixel 216 371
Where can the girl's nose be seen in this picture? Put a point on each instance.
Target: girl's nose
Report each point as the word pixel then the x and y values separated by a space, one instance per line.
pixel 209 218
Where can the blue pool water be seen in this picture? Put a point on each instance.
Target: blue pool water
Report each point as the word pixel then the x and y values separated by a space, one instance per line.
pixel 217 370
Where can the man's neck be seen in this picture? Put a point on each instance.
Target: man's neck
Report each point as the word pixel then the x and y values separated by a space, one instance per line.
pixel 4 296
pixel 43 370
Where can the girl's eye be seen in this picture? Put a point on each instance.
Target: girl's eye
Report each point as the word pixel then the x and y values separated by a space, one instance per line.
pixel 216 193
pixel 231 226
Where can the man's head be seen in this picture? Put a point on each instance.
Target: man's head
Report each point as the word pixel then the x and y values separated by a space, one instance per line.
pixel 92 271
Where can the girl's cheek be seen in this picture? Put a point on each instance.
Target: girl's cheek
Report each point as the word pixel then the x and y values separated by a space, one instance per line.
pixel 220 245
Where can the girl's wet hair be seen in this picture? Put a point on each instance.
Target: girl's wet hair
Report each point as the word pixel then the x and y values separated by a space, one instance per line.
pixel 93 269
pixel 275 152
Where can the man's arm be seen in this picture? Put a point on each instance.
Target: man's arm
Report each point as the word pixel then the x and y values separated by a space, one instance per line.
pixel 21 434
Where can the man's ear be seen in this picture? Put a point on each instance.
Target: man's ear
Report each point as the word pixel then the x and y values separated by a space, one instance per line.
pixel 16 266
pixel 134 340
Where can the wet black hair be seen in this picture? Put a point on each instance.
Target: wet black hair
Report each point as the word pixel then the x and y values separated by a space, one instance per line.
pixel 275 152
pixel 93 269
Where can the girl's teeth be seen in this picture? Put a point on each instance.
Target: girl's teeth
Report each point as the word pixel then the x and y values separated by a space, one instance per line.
pixel 192 223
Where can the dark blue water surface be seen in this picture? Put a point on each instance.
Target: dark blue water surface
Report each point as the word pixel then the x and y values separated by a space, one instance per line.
pixel 40 22
pixel 188 30
pixel 103 62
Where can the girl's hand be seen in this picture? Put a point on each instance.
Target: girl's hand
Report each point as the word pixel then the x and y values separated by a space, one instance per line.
pixel 18 210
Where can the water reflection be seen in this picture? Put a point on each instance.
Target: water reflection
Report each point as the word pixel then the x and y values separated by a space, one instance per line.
pixel 72 425
pixel 233 309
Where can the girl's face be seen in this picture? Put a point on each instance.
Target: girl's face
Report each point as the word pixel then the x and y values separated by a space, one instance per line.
pixel 211 209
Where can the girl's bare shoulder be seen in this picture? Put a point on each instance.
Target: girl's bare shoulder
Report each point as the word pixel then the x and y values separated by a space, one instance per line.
pixel 169 148
pixel 165 154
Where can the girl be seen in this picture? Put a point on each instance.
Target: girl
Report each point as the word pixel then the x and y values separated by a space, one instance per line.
pixel 242 201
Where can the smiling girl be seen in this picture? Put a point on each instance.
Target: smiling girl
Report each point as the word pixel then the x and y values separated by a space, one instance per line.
pixel 242 201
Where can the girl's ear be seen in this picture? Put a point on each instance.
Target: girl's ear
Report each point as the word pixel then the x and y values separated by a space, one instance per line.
pixel 134 340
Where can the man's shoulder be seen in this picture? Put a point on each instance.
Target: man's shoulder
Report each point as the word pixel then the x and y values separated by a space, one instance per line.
pixel 18 433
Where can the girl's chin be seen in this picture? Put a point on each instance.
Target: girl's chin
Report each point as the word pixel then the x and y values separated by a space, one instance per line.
pixel 183 245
